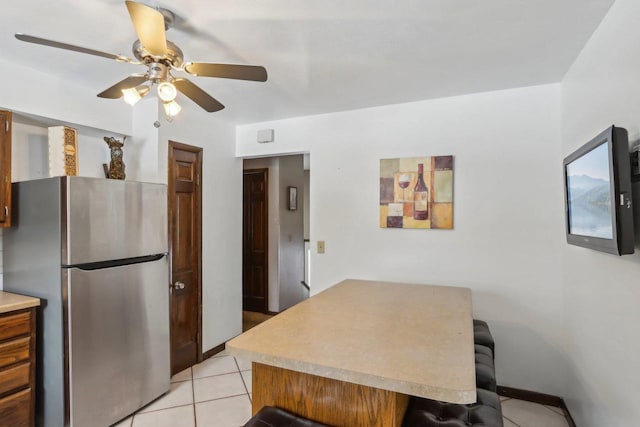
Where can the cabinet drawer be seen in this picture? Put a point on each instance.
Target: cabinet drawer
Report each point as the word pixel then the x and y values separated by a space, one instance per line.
pixel 14 378
pixel 15 409
pixel 15 325
pixel 14 351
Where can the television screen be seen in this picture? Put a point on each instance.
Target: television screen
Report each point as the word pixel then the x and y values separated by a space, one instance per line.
pixel 599 208
pixel 589 194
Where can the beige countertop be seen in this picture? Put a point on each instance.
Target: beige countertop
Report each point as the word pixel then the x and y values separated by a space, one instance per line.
pixel 412 339
pixel 11 302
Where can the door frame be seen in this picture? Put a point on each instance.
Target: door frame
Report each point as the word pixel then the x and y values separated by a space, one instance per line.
pixel 170 212
pixel 265 173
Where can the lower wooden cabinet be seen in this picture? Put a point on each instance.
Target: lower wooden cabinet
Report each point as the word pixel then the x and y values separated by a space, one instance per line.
pixel 15 409
pixel 17 368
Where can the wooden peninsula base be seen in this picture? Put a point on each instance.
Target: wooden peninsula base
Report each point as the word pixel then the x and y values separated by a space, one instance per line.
pixel 326 400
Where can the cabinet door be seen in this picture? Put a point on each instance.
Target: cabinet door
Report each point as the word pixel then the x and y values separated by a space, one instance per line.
pixel 5 169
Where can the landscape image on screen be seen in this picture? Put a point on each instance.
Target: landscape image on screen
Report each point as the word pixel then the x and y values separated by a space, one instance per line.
pixel 589 194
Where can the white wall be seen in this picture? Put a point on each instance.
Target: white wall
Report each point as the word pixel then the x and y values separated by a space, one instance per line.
pixel 145 153
pixel 221 217
pixel 508 218
pixel 602 291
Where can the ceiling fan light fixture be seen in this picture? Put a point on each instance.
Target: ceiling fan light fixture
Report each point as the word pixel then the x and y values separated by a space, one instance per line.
pixel 172 108
pixel 160 56
pixel 134 94
pixel 167 92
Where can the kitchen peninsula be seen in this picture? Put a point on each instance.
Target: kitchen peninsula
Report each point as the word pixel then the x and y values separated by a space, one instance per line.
pixel 352 355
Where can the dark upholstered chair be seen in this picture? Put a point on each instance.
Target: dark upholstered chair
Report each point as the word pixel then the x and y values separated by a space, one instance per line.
pixel 276 417
pixel 482 335
pixel 485 370
pixel 485 412
pixel 483 349
pixel 485 356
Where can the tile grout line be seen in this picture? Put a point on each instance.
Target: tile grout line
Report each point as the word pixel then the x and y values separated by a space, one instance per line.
pixel 216 375
pixel 510 420
pixel 187 404
pixel 242 378
pixel 193 396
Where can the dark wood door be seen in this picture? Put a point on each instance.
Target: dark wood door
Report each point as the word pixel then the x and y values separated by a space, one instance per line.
pixel 255 282
pixel 5 169
pixel 185 225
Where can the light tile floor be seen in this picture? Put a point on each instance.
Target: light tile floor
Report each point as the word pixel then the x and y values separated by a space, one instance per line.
pixel 519 413
pixel 217 393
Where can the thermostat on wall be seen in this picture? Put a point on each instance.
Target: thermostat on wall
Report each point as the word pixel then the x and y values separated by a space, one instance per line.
pixel 265 135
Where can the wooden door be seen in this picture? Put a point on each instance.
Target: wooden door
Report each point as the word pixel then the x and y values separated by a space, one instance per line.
pixel 5 169
pixel 185 240
pixel 255 283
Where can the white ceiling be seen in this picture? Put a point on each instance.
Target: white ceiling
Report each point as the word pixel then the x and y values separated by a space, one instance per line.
pixel 321 55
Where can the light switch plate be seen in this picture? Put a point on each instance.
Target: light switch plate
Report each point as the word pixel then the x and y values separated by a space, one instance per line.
pixel 320 246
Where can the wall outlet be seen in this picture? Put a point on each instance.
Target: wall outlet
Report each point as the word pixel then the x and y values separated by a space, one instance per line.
pixel 320 246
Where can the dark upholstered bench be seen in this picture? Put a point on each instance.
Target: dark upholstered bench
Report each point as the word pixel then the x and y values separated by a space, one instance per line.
pixel 486 412
pixel 276 417
pixel 485 356
pixel 485 369
pixel 482 335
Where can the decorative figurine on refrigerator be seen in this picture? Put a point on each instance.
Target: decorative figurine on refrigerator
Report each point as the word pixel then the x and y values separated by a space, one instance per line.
pixel 116 166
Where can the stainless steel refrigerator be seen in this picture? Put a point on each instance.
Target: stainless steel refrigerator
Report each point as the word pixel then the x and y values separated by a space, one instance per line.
pixel 95 251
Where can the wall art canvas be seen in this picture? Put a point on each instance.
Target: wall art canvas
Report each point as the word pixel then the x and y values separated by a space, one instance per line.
pixel 416 192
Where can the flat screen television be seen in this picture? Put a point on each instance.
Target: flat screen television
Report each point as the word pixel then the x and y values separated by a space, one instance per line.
pixel 598 204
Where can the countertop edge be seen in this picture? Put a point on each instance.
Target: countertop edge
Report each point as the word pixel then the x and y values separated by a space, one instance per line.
pixel 13 302
pixel 398 386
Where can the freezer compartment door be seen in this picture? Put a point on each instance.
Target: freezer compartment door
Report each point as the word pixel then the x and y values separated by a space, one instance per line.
pixel 118 320
pixel 107 219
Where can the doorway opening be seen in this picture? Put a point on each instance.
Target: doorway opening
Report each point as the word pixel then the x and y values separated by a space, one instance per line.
pixel 275 234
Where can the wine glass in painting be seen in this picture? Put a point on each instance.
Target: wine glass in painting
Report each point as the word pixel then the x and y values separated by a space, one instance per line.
pixel 403 182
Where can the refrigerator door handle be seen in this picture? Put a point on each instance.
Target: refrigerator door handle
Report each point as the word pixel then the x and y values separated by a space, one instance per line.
pixel 117 263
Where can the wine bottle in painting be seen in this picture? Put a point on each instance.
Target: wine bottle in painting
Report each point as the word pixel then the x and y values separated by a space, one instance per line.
pixel 420 197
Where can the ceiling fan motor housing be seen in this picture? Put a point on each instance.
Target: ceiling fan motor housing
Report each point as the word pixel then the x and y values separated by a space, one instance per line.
pixel 173 57
pixel 158 72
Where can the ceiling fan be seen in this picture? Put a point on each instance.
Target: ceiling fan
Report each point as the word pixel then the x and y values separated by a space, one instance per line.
pixel 161 57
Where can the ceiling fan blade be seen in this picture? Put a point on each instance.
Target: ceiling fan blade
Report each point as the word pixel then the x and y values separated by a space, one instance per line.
pixel 45 42
pixel 149 25
pixel 197 95
pixel 227 71
pixel 115 91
